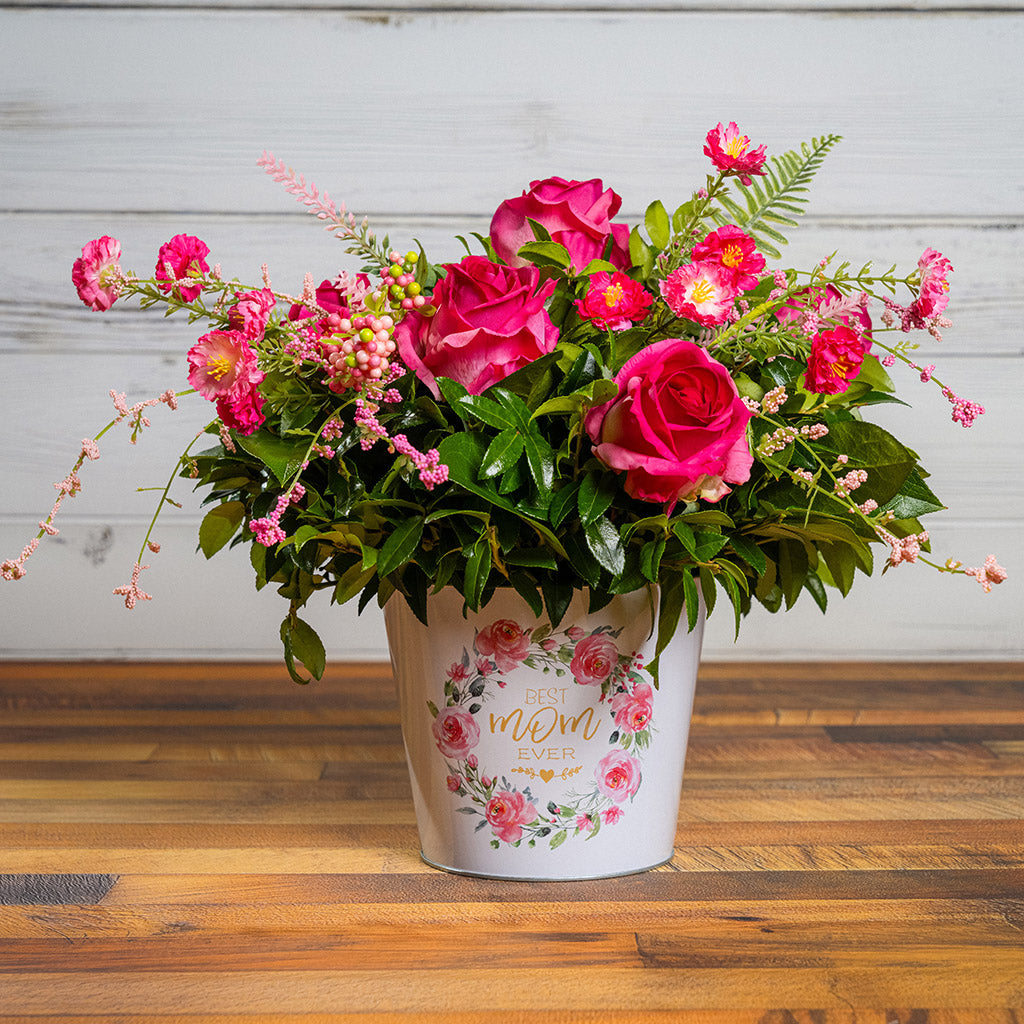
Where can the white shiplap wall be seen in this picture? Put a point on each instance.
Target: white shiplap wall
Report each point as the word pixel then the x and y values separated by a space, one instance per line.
pixel 145 120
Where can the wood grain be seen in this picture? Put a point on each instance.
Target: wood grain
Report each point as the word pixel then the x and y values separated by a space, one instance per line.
pixel 850 848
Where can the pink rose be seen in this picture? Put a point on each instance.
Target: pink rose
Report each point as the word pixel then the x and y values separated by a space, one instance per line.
pixel 186 256
pixel 618 775
pixel 504 641
pixel 835 359
pixel 490 322
pixel 456 732
pixel 678 427
pixel 454 783
pixel 593 660
pixel 633 710
pixel 576 214
pixel 507 811
pixel 96 274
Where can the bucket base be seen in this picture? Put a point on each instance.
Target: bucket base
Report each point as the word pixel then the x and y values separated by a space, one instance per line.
pixel 533 878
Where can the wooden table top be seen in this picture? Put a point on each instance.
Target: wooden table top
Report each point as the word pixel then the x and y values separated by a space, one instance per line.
pixel 208 842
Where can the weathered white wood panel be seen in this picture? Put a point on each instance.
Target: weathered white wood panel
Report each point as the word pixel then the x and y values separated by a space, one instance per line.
pixel 40 445
pixel 425 112
pixel 143 123
pixel 65 608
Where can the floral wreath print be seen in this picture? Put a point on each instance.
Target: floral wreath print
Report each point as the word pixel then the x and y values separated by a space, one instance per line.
pixel 592 659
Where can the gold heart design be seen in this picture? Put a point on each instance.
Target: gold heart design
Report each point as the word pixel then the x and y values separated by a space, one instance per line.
pixel 547 774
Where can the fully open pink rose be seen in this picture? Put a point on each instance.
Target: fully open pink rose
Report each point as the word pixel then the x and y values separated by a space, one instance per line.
pixel 577 214
pixel 490 322
pixel 633 710
pixel 678 427
pixel 618 775
pixel 506 642
pixel 455 732
pixel 507 811
pixel 593 659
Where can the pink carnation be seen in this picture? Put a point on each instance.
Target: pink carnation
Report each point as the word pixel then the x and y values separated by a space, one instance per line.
pixel 186 256
pixel 251 311
pixel 933 293
pixel 223 369
pixel 835 359
pixel 96 274
pixel 614 301
pixel 733 250
pixel 702 292
pixel 244 413
pixel 730 152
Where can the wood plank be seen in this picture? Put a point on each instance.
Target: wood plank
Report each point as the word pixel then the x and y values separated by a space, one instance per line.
pixel 197 905
pixel 514 125
pixel 444 991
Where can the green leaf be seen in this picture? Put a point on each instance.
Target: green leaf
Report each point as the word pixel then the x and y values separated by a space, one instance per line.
pixel 451 390
pixel 641 254
pixel 546 254
pixel 502 454
pixel 487 411
pixel 650 558
pixel 219 525
pixel 400 546
pixel 606 545
pixel 915 498
pixel 596 493
pixel 301 642
pixel 691 601
pixel 749 552
pixel 283 457
pixel 657 223
pixel 478 568
pixel 541 460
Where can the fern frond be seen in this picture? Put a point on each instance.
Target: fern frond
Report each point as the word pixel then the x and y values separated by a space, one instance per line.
pixel 770 198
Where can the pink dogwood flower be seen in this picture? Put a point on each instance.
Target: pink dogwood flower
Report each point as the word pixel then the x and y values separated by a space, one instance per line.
pixel 702 292
pixel 735 251
pixel 614 302
pixel 730 152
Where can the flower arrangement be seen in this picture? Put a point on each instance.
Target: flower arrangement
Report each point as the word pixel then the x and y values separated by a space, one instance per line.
pixel 579 405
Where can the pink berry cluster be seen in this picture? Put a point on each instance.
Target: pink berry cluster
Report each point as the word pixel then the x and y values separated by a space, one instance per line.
pixel 364 353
